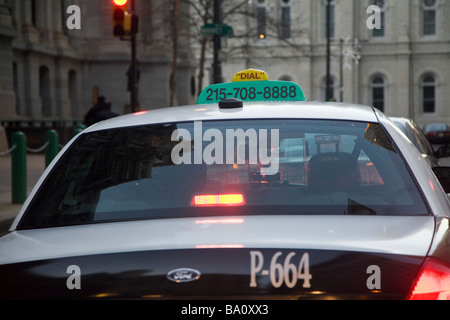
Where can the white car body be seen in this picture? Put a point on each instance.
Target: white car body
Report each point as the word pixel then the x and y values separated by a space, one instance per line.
pixel 408 236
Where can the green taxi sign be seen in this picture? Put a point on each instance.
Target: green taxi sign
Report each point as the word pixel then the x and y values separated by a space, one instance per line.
pixel 252 85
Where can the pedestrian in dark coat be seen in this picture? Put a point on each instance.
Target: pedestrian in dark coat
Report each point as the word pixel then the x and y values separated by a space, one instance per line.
pixel 99 112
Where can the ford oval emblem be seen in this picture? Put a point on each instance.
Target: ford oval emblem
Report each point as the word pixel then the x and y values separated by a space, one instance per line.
pixel 183 275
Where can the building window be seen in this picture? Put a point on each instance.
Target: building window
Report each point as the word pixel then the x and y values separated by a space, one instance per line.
pixel 261 19
pixel 33 13
pixel 16 87
pixel 192 85
pixel 64 17
pixel 332 4
pixel 285 19
pixel 44 91
pixel 12 7
pixel 377 33
pixel 73 93
pixel 378 93
pixel 429 94
pixel 429 17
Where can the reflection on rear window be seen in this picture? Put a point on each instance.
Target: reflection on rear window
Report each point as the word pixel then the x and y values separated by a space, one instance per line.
pixel 246 167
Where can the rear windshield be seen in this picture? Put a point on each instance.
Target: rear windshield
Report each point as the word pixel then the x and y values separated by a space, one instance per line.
pixel 226 168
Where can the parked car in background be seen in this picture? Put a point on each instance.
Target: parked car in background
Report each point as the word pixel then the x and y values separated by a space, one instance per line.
pixel 437 133
pixel 418 138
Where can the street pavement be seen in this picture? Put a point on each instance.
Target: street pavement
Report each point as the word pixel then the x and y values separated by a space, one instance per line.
pixel 8 210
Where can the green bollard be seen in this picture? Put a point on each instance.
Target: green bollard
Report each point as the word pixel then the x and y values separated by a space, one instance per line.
pixel 19 168
pixel 52 149
pixel 78 129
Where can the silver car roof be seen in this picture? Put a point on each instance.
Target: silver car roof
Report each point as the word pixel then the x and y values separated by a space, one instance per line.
pixel 251 110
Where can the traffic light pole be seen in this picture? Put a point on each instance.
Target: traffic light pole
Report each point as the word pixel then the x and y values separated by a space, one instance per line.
pixel 134 92
pixel 217 68
pixel 126 26
pixel 329 88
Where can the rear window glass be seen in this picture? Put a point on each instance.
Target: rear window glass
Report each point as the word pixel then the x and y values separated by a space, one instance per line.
pixel 226 168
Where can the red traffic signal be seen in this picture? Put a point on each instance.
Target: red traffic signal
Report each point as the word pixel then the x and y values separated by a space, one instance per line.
pixel 125 22
pixel 119 3
pixel 120 11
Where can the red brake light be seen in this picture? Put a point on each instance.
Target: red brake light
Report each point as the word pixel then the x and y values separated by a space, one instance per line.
pixel 210 200
pixel 433 282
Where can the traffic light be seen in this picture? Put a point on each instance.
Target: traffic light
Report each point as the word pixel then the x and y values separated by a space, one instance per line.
pixel 120 11
pixel 130 24
pixel 125 22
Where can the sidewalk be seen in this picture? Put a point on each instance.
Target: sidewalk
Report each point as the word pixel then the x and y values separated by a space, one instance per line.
pixel 35 168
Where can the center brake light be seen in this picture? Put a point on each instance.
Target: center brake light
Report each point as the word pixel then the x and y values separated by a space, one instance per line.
pixel 218 200
pixel 433 282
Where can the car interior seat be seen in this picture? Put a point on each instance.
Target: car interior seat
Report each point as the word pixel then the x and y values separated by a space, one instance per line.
pixel 334 172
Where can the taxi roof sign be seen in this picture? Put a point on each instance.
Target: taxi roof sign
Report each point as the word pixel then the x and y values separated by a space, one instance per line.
pixel 252 85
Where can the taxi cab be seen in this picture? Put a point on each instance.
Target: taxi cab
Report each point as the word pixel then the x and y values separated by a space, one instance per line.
pixel 254 192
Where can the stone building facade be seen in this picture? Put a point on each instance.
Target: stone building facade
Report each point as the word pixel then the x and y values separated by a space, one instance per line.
pixel 402 68
pixel 48 71
pixel 51 71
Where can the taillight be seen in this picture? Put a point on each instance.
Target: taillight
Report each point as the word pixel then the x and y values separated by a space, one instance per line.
pixel 210 200
pixel 433 282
